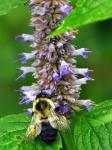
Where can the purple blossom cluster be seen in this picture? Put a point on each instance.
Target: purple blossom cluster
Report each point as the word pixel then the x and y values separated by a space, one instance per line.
pixel 53 59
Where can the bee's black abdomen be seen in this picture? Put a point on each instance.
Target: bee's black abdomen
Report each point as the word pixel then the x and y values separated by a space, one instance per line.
pixel 48 134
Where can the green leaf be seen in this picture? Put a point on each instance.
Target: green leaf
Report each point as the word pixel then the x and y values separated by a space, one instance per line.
pixel 93 131
pixel 68 140
pixel 7 5
pixel 12 130
pixel 101 114
pixel 85 12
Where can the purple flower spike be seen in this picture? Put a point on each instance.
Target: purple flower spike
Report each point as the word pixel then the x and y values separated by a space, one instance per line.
pixel 64 69
pixel 56 77
pixel 53 62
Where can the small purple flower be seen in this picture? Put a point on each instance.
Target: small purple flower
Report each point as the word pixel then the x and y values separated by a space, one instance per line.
pixel 62 108
pixel 39 11
pixel 66 9
pixel 23 60
pixel 47 5
pixel 59 45
pixel 65 109
pixel 59 97
pixel 25 37
pixel 52 57
pixel 64 68
pixel 83 80
pixel 87 103
pixel 56 77
pixel 25 70
pixel 29 111
pixel 89 107
pixel 83 71
pixel 26 56
pixel 83 52
pixel 86 52
pixel 25 100
pixel 29 97
pixel 23 76
pixel 26 88
pixel 49 91
pixel 51 48
pixel 88 73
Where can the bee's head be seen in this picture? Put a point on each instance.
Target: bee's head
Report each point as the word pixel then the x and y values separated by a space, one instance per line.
pixel 41 106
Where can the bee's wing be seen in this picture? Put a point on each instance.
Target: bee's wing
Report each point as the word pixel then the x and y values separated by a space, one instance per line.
pixel 58 121
pixel 61 123
pixel 34 128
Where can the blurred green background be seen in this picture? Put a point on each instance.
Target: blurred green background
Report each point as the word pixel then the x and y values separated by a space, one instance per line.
pixel 97 37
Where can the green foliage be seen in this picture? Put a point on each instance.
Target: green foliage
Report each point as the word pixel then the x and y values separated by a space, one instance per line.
pixel 12 130
pixel 68 139
pixel 7 5
pixel 93 130
pixel 85 12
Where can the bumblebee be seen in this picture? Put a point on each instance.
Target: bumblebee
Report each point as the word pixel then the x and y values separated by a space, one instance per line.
pixel 45 121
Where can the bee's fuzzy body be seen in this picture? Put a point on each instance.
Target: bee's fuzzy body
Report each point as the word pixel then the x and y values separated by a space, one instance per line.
pixel 48 134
